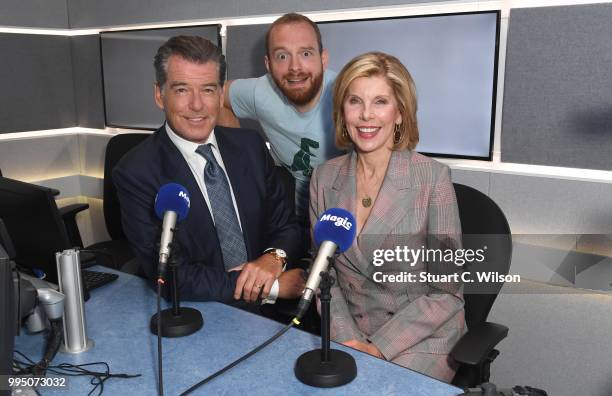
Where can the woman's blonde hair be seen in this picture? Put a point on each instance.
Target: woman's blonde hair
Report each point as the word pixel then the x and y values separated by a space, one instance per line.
pixel 379 64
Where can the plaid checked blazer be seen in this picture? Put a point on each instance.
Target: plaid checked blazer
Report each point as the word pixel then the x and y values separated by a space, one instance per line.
pixel 414 324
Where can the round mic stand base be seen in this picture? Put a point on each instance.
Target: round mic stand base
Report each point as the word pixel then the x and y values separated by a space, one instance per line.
pixel 187 322
pixel 177 321
pixel 325 367
pixel 340 369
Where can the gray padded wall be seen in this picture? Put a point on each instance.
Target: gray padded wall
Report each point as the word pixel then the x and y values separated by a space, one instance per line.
pixel 88 81
pixel 94 13
pixel 558 87
pixel 246 50
pixel 545 205
pixel 34 13
pixel 559 340
pixel 37 84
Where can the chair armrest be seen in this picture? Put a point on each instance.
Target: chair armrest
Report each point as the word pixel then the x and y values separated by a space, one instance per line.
pixel 68 214
pixel 70 211
pixel 476 345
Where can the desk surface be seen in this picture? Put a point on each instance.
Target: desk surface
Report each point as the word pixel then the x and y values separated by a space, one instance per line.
pixel 118 321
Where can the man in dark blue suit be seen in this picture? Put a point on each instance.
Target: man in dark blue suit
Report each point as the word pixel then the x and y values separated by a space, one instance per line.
pixel 235 242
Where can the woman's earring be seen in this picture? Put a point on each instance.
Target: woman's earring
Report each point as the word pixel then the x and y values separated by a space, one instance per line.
pixel 397 134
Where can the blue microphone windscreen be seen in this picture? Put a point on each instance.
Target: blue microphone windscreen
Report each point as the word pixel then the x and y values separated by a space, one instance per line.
pixel 173 197
pixel 336 225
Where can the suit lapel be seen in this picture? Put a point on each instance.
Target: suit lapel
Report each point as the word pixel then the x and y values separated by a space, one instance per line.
pixel 176 170
pixel 341 194
pixel 391 205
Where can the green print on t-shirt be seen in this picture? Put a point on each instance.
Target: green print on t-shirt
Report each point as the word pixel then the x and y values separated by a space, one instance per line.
pixel 301 159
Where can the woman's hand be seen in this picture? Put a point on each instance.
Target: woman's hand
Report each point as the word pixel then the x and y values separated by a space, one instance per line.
pixel 364 347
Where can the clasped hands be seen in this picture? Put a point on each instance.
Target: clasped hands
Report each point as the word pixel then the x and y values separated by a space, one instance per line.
pixel 258 276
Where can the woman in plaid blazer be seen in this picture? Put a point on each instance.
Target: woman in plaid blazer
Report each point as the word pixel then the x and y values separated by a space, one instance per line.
pixel 403 203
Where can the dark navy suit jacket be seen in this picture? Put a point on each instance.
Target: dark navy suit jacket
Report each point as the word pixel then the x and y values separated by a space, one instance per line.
pixel 265 214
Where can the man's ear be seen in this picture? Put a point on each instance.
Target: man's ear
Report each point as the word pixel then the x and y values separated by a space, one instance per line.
pixel 158 97
pixel 324 58
pixel 267 62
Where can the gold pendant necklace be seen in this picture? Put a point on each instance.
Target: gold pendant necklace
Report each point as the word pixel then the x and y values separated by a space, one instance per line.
pixel 366 202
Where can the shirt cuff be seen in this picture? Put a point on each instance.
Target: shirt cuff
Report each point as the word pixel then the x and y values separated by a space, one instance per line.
pixel 273 295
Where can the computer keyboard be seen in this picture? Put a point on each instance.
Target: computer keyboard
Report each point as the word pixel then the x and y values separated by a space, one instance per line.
pixel 95 279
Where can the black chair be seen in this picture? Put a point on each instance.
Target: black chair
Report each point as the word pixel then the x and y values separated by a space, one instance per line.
pixel 34 224
pixel 68 214
pixel 116 252
pixel 483 224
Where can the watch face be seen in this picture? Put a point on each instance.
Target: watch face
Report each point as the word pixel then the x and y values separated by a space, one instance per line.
pixel 281 253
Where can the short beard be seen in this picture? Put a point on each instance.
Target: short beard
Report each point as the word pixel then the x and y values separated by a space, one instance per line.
pixel 302 97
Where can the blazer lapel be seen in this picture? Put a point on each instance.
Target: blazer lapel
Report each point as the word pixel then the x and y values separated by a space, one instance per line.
pixel 391 206
pixel 176 170
pixel 341 194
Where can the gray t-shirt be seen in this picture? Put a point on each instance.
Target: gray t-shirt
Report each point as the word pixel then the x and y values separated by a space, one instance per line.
pixel 299 141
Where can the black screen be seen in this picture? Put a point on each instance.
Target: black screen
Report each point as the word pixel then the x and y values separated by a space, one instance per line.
pixel 452 59
pixel 127 68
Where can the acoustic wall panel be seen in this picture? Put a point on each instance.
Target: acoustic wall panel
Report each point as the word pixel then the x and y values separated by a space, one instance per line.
pixel 476 179
pixel 93 13
pixel 542 205
pixel 34 13
pixel 40 158
pixel 245 51
pixel 37 84
pixel 87 68
pixel 553 331
pixel 92 150
pixel 558 87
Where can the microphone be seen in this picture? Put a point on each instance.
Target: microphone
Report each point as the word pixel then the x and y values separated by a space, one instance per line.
pixel 171 204
pixel 334 231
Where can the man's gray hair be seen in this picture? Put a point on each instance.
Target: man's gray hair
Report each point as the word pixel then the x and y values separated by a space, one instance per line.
pixel 192 48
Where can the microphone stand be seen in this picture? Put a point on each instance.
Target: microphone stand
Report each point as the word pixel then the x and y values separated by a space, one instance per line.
pixel 177 321
pixel 325 367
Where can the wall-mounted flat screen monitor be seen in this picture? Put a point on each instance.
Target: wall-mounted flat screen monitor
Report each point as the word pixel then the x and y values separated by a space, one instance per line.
pixel 452 58
pixel 129 76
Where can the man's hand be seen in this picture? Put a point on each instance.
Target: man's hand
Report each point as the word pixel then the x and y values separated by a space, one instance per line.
pixel 363 347
pixel 291 283
pixel 257 277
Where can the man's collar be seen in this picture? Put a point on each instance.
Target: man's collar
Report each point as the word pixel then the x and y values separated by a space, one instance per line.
pixel 187 147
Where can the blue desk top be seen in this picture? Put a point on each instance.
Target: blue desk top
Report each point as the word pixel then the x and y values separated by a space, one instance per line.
pixel 118 317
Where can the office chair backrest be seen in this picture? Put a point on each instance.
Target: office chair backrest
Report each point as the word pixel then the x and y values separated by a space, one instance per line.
pixel 483 224
pixel 117 147
pixel 34 224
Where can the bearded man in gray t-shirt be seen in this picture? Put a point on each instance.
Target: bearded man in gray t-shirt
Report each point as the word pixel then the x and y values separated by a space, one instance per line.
pixel 293 102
